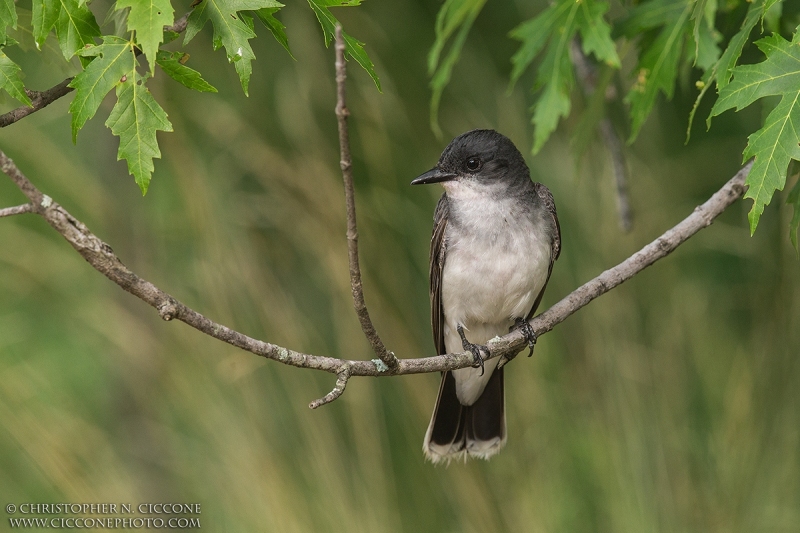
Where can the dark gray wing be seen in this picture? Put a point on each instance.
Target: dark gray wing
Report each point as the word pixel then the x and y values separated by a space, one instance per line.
pixel 437 266
pixel 549 203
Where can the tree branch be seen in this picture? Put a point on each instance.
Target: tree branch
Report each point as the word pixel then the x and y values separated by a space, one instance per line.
pixel 387 357
pixel 39 100
pixel 341 383
pixel 587 76
pixel 16 210
pixel 102 258
pixel 180 24
pixel 42 99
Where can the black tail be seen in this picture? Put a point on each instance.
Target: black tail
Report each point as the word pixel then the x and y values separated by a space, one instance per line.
pixel 456 430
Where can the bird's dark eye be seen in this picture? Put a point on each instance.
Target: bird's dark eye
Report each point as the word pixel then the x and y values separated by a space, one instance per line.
pixel 473 164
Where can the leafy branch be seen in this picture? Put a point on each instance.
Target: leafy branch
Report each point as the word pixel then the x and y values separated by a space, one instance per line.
pixel 113 63
pixel 667 38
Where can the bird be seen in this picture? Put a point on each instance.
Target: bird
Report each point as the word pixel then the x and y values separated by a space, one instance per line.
pixel 495 238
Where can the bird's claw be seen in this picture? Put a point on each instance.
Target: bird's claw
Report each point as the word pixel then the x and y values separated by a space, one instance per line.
pixel 527 332
pixel 474 348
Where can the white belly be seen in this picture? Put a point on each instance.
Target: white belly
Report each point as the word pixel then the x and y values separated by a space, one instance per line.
pixel 490 278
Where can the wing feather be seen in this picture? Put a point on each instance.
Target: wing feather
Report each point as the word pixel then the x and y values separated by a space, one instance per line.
pixel 549 202
pixel 436 267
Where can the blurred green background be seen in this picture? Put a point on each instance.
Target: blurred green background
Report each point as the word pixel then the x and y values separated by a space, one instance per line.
pixel 670 404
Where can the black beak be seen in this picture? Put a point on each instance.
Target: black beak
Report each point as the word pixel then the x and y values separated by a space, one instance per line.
pixel 434 175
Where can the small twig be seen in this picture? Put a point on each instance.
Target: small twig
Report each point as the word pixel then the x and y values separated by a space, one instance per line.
pixel 16 210
pixel 180 24
pixel 620 169
pixel 41 99
pixel 588 78
pixel 346 163
pixel 102 258
pixel 338 389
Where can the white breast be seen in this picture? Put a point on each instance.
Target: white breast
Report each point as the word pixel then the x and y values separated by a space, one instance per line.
pixel 494 269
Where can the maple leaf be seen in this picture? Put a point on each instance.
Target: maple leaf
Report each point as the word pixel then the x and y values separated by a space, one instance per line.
pixel 44 16
pixel 114 61
pixel 719 72
pixel 8 17
pixel 10 80
pixel 135 119
pixel 148 18
pixel 658 63
pixel 75 26
pixel 173 64
pixel 353 47
pixel 778 141
pixel 231 30
pixel 555 27
pixel 453 15
pixel 275 26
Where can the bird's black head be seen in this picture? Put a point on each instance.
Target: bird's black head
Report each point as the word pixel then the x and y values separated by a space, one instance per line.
pixel 479 156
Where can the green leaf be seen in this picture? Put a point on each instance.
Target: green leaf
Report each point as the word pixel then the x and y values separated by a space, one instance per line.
pixel 275 26
pixel 703 15
pixel 454 15
pixel 555 74
pixel 135 119
pixel 794 200
pixel 170 36
pixel 734 50
pixel 720 72
pixel 10 80
pixel 114 62
pixel 8 17
pixel 173 64
pixel 45 14
pixel 555 28
pixel 148 18
pixel 353 47
pixel 779 74
pixel 649 15
pixel 231 30
pixel 657 69
pixel 596 33
pixel 75 26
pixel 773 11
pixel 706 50
pixel 557 77
pixel 778 141
pixel 534 34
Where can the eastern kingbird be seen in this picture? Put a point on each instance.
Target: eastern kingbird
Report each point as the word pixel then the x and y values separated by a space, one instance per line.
pixel 495 238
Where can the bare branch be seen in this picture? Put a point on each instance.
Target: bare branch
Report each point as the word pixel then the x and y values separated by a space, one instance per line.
pixel 346 163
pixel 588 78
pixel 338 389
pixel 180 24
pixel 102 258
pixel 39 100
pixel 620 169
pixel 16 210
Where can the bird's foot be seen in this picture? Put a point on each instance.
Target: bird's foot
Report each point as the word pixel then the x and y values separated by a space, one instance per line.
pixel 474 348
pixel 527 332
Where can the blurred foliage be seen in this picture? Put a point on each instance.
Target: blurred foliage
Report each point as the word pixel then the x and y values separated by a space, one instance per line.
pixel 669 404
pixel 146 25
pixel 663 39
